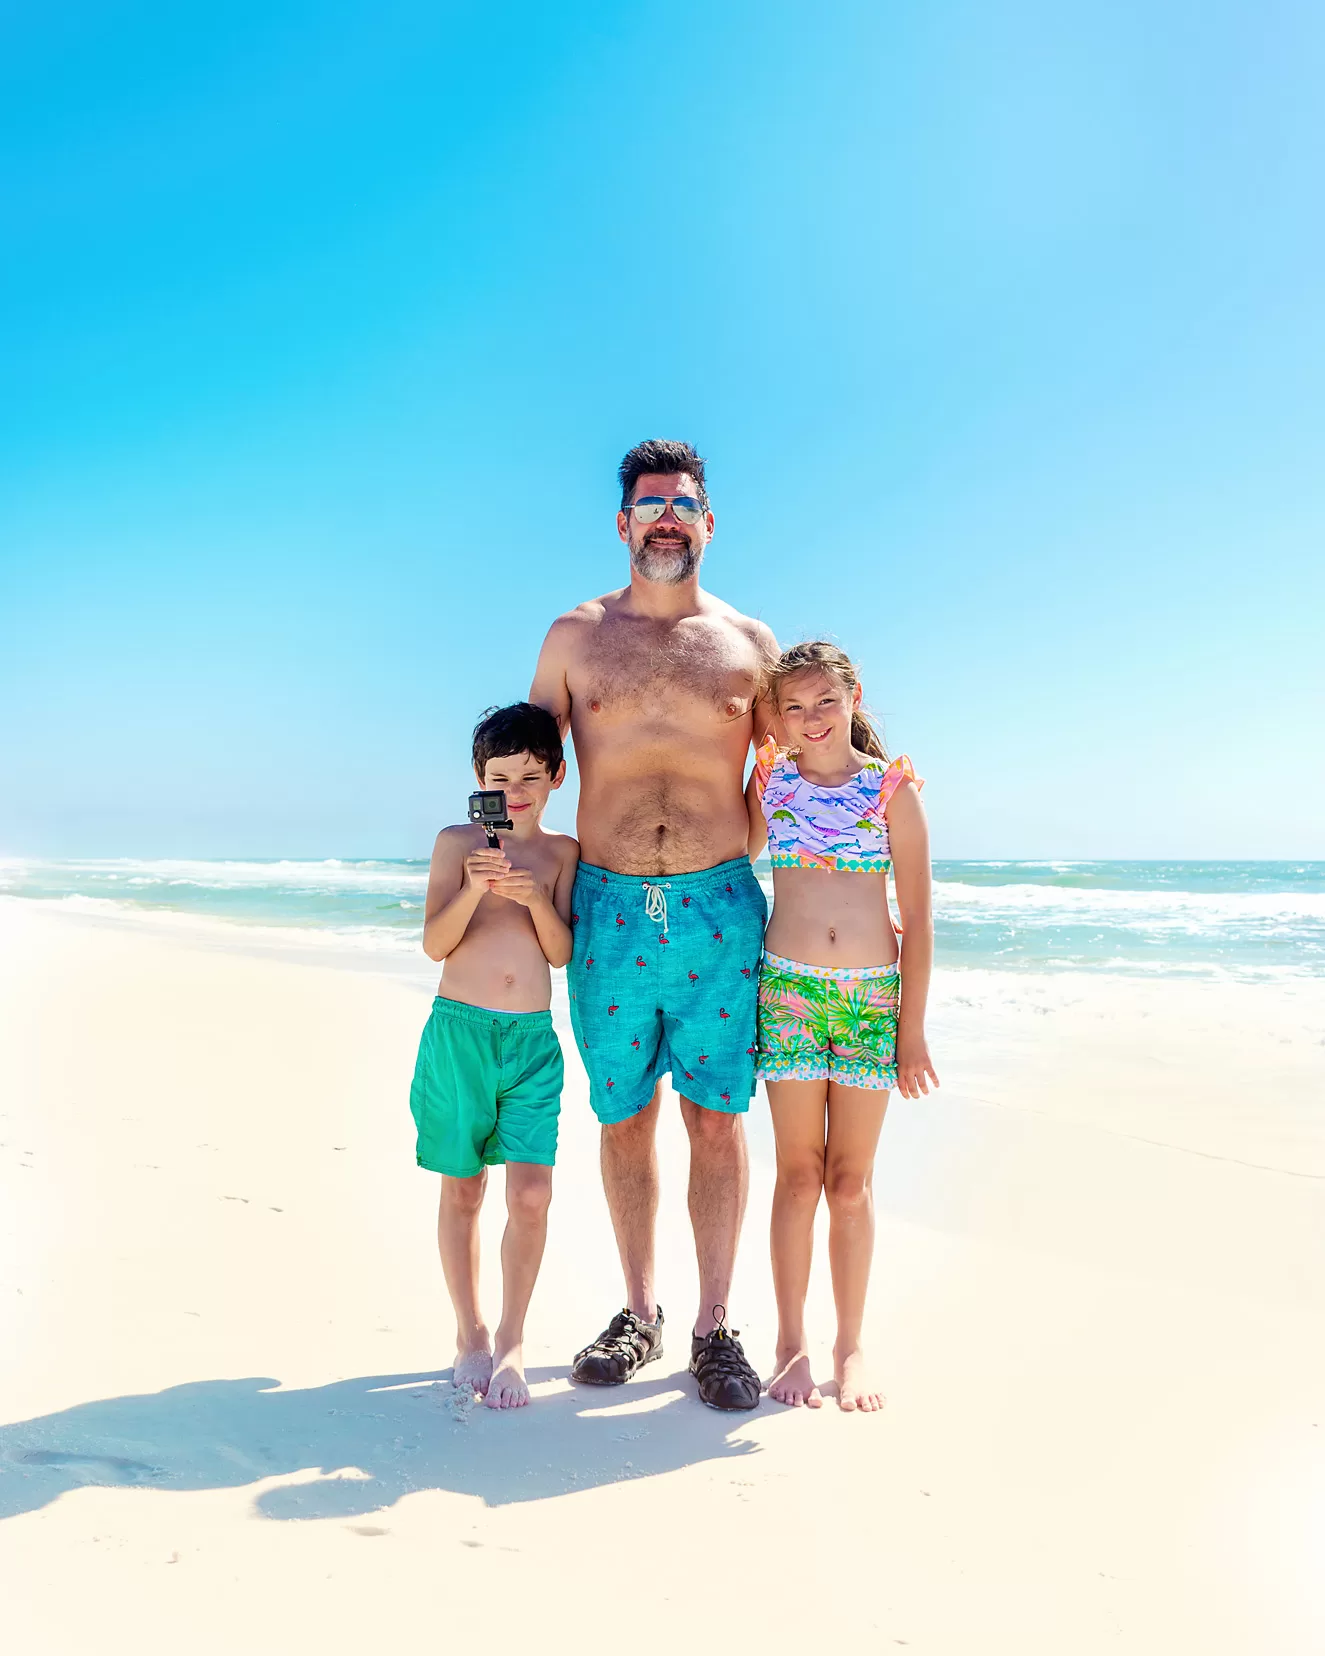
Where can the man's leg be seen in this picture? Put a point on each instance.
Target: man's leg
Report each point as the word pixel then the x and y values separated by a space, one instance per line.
pixel 457 1242
pixel 629 1159
pixel 528 1193
pixel 719 1183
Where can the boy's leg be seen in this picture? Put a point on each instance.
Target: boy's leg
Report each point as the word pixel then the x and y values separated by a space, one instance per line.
pixel 528 1193
pixel 457 1242
pixel 798 1109
pixel 855 1119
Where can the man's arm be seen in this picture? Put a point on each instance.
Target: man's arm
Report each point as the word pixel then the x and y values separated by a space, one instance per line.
pixel 550 688
pixel 767 646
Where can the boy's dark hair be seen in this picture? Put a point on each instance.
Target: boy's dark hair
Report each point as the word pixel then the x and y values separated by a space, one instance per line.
pixel 521 728
pixel 660 454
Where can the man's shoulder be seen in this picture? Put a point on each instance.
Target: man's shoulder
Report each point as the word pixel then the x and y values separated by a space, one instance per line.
pixel 588 614
pixel 749 626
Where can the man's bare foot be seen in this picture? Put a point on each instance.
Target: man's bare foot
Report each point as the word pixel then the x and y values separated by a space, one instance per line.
pixel 792 1382
pixel 854 1390
pixel 473 1366
pixel 507 1388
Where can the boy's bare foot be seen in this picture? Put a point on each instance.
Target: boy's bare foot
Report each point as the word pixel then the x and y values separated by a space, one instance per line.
pixel 507 1388
pixel 793 1383
pixel 473 1366
pixel 854 1390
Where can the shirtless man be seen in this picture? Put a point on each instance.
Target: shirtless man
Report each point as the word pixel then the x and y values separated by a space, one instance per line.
pixel 657 682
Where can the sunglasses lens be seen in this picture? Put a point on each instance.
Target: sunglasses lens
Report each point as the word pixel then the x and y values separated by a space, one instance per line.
pixel 687 509
pixel 649 509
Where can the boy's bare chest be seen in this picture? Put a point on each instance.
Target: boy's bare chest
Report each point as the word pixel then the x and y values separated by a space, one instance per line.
pixel 632 667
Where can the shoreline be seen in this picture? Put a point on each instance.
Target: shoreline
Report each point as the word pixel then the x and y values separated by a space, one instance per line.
pixel 1097 1328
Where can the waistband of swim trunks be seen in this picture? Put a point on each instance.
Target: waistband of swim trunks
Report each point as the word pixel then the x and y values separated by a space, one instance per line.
pixel 463 1012
pixel 839 974
pixel 721 874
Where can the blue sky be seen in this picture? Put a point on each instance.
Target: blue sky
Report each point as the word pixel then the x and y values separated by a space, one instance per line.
pixel 322 329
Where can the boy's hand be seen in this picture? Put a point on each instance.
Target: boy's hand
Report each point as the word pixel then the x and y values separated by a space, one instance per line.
pixel 520 886
pixel 913 1065
pixel 485 867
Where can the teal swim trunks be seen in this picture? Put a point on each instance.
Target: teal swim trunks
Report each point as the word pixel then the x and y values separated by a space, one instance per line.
pixel 486 1089
pixel 665 978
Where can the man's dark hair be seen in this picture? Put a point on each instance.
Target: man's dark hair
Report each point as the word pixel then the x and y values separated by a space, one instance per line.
pixel 522 728
pixel 660 454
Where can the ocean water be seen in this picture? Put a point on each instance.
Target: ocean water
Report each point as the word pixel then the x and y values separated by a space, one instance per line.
pixel 1241 919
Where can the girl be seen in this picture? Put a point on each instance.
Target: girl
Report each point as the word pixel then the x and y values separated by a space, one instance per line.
pixel 836 1030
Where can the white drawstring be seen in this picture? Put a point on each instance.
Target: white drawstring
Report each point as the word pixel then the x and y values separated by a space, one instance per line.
pixel 655 900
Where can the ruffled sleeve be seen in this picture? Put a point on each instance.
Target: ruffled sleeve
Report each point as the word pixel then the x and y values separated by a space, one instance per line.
pixel 901 770
pixel 765 758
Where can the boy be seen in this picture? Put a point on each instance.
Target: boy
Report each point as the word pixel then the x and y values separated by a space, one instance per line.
pixel 487 1085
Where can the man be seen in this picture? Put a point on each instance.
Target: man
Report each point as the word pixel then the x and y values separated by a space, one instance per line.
pixel 658 682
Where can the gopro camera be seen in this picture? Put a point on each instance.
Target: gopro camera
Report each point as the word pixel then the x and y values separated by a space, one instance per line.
pixel 488 809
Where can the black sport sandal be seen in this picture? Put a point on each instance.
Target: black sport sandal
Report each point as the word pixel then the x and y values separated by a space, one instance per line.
pixel 626 1344
pixel 726 1380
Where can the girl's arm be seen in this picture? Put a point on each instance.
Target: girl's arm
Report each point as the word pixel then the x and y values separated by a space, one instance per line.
pixel 456 884
pixel 908 835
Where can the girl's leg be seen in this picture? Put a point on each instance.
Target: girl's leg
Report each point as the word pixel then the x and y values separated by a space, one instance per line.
pixel 528 1193
pixel 797 1108
pixel 855 1119
pixel 457 1242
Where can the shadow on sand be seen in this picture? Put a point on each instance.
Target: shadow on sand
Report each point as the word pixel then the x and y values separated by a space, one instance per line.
pixel 367 1441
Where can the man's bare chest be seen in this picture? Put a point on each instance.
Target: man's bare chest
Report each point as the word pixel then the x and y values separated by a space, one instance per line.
pixel 633 668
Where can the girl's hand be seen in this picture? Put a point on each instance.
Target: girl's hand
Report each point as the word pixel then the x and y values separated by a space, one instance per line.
pixel 913 1066
pixel 485 867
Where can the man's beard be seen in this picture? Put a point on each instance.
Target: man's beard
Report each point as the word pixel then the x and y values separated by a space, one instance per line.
pixel 668 563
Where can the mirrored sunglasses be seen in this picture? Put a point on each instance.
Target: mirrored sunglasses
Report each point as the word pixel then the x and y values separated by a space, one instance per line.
pixel 649 508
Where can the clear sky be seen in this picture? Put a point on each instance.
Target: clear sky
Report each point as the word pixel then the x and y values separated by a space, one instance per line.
pixel 323 328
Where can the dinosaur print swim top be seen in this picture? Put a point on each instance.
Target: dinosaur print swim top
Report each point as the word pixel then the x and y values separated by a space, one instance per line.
pixel 841 828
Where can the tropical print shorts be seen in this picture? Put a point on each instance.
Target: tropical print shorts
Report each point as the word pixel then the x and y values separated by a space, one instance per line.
pixel 828 1023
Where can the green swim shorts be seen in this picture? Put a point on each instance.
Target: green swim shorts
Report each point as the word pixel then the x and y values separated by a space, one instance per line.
pixel 486 1089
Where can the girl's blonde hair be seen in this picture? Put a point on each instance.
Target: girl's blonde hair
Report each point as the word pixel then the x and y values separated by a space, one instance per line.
pixel 820 656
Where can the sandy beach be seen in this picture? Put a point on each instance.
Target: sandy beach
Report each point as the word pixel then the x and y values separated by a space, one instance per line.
pixel 224 1422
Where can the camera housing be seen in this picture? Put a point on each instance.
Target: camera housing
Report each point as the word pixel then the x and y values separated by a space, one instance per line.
pixel 487 808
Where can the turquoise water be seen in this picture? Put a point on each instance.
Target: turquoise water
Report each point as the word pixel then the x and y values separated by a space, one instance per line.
pixel 1243 918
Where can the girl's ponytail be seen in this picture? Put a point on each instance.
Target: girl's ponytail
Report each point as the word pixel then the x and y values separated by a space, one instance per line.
pixel 865 737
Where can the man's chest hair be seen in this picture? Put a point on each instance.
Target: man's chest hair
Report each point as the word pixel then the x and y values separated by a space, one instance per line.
pixel 635 663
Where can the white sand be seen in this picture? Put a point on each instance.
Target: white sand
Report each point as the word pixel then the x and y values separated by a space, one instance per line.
pixel 1096 1315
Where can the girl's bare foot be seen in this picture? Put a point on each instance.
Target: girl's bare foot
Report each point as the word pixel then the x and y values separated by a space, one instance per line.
pixel 792 1382
pixel 473 1366
pixel 507 1388
pixel 854 1389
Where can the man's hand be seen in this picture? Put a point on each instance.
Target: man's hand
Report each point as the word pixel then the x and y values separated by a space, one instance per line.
pixel 913 1066
pixel 520 886
pixel 484 868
